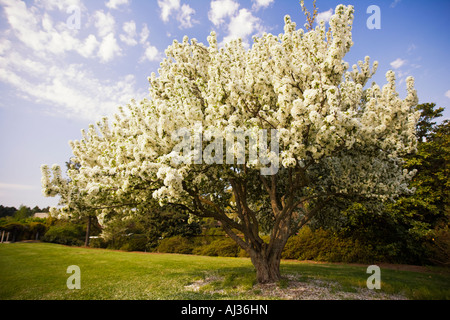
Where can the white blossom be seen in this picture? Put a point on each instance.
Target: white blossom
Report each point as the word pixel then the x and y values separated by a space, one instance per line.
pixel 296 82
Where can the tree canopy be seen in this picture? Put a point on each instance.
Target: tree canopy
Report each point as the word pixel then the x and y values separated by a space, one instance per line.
pixel 266 135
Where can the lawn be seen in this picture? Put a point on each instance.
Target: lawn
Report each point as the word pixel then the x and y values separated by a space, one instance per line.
pixel 39 271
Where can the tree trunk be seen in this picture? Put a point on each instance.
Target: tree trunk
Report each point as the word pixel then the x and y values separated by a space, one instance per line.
pixel 267 268
pixel 88 232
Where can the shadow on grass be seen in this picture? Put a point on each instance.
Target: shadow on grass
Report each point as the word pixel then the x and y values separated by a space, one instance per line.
pixel 240 282
pixel 221 283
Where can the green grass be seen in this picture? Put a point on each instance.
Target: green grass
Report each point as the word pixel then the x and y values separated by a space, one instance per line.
pixel 38 271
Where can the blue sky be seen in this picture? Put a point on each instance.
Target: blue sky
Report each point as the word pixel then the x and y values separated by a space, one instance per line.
pixel 57 77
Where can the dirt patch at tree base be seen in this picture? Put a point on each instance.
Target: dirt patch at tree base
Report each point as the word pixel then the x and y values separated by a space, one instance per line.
pixel 320 290
pixel 292 289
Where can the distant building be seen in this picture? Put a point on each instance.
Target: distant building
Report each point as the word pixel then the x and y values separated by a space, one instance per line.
pixel 41 215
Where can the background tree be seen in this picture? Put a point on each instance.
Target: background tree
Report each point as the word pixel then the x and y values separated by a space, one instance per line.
pixel 426 123
pixel 7 211
pixel 23 213
pixel 149 227
pixel 166 222
pixel 404 231
pixel 329 138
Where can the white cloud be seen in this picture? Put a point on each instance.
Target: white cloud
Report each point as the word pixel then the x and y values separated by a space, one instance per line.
pixel 238 23
pixel 5 45
pixel 130 33
pixel 39 32
pixel 167 7
pixel 20 64
pixel 242 25
pixel 26 25
pixel 185 16
pixel 325 16
pixel 151 54
pixel 143 36
pixel 10 186
pixel 447 94
pixel 70 91
pixel 397 63
pixel 221 9
pixel 412 47
pixel 33 66
pixel 393 4
pixel 257 4
pixel 108 48
pixel 61 5
pixel 89 46
pixel 104 22
pixel 130 28
pixel 114 4
pixel 183 13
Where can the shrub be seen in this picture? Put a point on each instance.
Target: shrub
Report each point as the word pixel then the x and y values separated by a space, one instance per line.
pixel 16 230
pixel 98 243
pixel 177 244
pixel 440 248
pixel 224 247
pixel 243 254
pixel 70 234
pixel 135 243
pixel 324 245
pixel 37 230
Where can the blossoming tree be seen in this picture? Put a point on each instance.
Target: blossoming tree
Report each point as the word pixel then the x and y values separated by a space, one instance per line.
pixel 332 136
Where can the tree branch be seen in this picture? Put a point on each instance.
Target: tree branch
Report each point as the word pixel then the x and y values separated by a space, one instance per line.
pixel 272 194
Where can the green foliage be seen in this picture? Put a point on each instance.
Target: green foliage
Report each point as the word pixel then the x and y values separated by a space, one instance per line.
pixel 68 234
pixel 403 231
pixel 149 226
pixel 25 229
pixel 135 243
pixel 23 213
pixel 36 229
pixel 177 244
pixel 98 243
pixel 211 242
pixel 440 247
pixel 324 245
pixel 16 230
pixel 423 214
pixel 21 224
pixel 165 222
pixel 425 125
pixel 7 211
pixel 392 235
pixel 223 247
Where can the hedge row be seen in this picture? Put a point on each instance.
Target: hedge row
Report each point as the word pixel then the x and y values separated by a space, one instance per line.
pixel 319 245
pixel 70 234
pixel 324 245
pixel 201 245
pixel 18 231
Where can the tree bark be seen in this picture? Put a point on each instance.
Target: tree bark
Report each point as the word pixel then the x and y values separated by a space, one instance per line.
pixel 266 257
pixel 88 232
pixel 267 267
